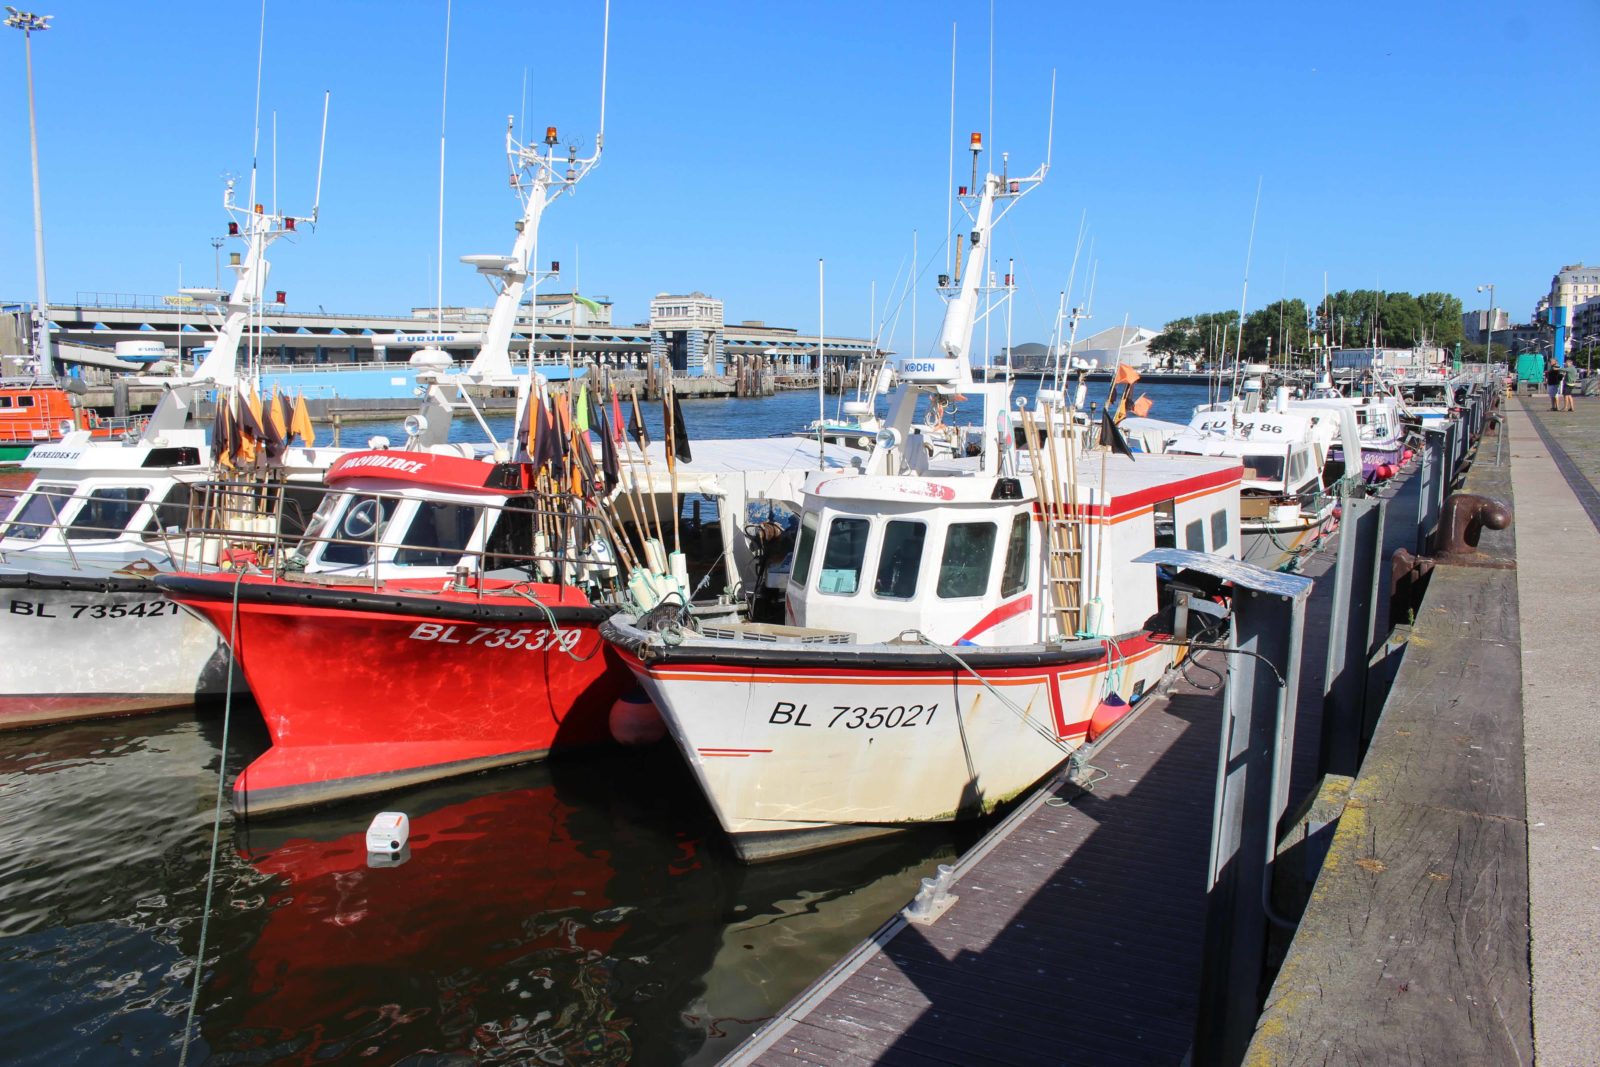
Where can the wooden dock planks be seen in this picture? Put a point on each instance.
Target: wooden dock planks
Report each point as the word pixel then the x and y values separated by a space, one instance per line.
pixel 1415 944
pixel 1075 940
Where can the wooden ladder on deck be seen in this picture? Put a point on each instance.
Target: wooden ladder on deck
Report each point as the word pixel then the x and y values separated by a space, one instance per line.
pixel 1062 582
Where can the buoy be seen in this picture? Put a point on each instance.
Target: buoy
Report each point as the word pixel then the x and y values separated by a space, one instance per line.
pixel 634 720
pixel 1405 457
pixel 389 832
pixel 1107 715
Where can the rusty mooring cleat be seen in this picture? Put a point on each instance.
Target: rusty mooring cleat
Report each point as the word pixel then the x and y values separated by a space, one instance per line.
pixel 1463 519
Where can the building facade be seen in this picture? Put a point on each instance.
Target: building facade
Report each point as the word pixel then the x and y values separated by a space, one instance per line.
pixel 686 332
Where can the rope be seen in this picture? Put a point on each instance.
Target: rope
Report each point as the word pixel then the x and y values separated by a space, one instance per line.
pixel 216 826
pixel 1019 712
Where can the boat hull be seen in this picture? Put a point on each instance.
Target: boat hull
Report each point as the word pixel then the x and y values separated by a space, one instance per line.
pixel 1372 459
pixel 364 692
pixel 79 648
pixel 801 748
pixel 1280 545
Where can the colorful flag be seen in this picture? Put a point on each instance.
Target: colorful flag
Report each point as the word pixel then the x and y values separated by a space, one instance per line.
pixel 616 416
pixel 222 434
pixel 1126 375
pixel 592 305
pixel 300 423
pixel 1142 406
pixel 580 417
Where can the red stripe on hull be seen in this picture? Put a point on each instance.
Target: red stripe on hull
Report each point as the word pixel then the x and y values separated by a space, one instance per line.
pixel 356 705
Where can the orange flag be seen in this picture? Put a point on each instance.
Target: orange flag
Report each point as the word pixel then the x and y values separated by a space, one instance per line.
pixel 1126 375
pixel 300 423
pixel 1142 406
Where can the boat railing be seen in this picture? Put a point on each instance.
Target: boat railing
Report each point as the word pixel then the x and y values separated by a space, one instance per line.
pixel 104 520
pixel 280 528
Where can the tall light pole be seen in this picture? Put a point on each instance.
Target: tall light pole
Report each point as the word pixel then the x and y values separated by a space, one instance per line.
pixel 216 254
pixel 1488 337
pixel 27 22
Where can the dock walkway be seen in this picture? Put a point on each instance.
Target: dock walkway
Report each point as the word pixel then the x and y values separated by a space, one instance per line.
pixel 1555 467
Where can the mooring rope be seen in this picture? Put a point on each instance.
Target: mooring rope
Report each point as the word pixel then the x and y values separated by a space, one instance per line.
pixel 216 826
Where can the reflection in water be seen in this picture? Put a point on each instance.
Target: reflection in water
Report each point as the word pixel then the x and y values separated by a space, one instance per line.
pixel 580 911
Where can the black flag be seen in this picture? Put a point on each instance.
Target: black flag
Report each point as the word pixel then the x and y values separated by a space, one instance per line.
pixel 1111 435
pixel 636 427
pixel 680 432
pixel 608 450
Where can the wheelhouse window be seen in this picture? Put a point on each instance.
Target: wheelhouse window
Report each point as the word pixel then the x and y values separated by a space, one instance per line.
pixel 171 515
pixel 106 513
pixel 1164 515
pixel 510 542
pixel 360 526
pixel 1263 468
pixel 1015 577
pixel 900 559
pixel 438 535
pixel 1219 530
pixel 968 553
pixel 841 562
pixel 803 549
pixel 38 512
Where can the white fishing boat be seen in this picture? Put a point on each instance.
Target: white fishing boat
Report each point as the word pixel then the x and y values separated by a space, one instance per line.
pixel 954 627
pixel 86 631
pixel 1285 508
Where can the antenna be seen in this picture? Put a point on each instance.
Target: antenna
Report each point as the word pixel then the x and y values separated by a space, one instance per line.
pixel 322 149
pixel 1238 340
pixel 605 46
pixel 1050 134
pixel 255 141
pixel 990 129
pixel 949 207
pixel 444 100
pixel 274 161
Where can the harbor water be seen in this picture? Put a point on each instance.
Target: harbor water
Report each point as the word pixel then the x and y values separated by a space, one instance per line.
pixel 584 910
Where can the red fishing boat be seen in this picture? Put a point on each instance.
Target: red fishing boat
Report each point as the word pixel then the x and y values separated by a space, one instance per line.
pixel 38 411
pixel 435 619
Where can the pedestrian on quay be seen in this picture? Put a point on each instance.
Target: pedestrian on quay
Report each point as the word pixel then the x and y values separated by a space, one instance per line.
pixel 1569 386
pixel 1552 383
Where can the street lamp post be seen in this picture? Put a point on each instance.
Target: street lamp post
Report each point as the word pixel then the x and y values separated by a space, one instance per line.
pixel 27 22
pixel 1488 336
pixel 216 255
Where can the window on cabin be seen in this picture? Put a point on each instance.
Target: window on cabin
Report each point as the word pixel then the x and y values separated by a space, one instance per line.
pixel 900 559
pixel 803 549
pixel 841 562
pixel 5 401
pixel 1015 577
pixel 171 514
pixel 105 513
pixel 510 542
pixel 968 550
pixel 1166 524
pixel 360 526
pixel 438 535
pixel 24 401
pixel 40 510
pixel 1263 468
pixel 1219 530
pixel 1194 536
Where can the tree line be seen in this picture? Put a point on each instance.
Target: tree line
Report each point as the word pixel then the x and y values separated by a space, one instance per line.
pixel 1350 318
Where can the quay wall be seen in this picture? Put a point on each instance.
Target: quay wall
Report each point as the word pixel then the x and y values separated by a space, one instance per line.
pixel 1415 944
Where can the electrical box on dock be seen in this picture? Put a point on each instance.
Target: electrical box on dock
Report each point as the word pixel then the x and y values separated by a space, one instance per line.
pixel 389 832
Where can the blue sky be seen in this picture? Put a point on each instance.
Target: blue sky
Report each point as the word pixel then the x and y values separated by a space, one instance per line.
pixel 1414 146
